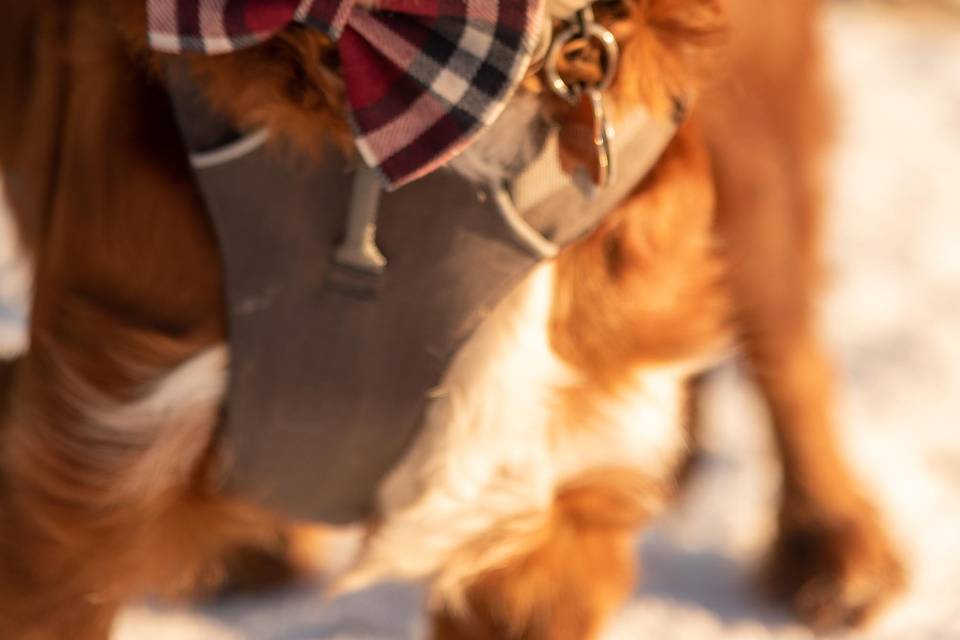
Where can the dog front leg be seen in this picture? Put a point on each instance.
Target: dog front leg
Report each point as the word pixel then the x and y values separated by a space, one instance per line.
pixel 573 575
pixel 833 560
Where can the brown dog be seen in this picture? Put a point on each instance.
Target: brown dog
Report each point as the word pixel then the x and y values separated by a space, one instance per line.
pixel 108 440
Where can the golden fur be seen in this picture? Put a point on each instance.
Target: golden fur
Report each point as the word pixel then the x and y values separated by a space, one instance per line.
pixel 720 238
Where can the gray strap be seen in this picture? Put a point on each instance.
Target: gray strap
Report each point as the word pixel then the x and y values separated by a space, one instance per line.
pixel 229 152
pixel 527 236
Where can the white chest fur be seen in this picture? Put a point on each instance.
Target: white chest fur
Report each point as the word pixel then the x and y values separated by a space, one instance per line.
pixel 497 442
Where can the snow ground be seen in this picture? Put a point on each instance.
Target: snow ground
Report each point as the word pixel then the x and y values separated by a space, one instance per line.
pixel 893 316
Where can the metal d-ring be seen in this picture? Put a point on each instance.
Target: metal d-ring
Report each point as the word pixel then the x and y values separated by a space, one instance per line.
pixel 587 29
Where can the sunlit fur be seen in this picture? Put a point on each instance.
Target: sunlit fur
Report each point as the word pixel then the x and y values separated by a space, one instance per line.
pixel 553 435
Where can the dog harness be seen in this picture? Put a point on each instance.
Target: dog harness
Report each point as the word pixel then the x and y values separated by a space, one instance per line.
pixel 345 302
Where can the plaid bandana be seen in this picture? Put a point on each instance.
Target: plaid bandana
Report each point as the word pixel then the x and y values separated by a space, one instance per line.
pixel 422 77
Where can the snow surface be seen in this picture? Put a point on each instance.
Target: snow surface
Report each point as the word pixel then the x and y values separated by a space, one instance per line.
pixel 893 316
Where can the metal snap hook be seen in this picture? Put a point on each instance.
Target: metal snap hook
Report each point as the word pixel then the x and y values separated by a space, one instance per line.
pixel 602 135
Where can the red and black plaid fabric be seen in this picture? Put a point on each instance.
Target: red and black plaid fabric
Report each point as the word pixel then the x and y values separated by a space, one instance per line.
pixel 422 77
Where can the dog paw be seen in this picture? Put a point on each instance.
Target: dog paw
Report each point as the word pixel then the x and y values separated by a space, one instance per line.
pixel 835 573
